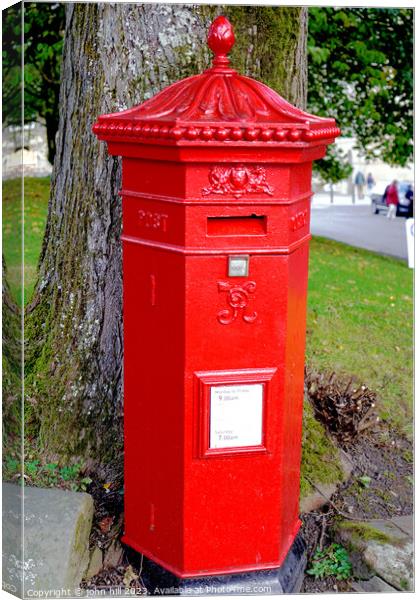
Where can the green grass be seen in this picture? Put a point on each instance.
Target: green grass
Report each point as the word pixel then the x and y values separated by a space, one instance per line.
pixel 360 323
pixel 36 203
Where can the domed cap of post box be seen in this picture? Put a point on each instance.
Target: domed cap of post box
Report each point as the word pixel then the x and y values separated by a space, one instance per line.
pixel 218 107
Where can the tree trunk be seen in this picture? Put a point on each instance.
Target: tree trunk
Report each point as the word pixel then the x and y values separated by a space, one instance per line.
pixel 115 56
pixel 12 371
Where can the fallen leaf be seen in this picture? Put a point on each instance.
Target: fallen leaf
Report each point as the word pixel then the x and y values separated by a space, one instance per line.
pixel 365 480
pixel 105 524
pixel 129 576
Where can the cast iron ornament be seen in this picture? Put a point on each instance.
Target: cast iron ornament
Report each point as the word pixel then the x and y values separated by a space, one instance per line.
pixel 238 180
pixel 220 40
pixel 237 299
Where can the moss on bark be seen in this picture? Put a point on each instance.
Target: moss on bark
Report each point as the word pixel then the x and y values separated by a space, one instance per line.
pixel 271 46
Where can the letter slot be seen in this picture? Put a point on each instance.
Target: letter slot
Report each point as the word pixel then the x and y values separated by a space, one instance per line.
pixel 241 225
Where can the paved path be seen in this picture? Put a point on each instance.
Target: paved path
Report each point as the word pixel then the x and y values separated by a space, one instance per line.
pixel 357 226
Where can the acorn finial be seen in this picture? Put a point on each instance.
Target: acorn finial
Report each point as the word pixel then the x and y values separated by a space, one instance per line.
pixel 220 40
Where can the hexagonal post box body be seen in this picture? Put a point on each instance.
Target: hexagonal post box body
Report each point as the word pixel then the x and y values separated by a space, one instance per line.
pixel 216 190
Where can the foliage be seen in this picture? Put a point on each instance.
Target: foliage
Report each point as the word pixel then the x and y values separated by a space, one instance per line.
pixel 360 324
pixel 42 47
pixel 364 480
pixel 360 63
pixel 334 167
pixel 12 66
pixel 48 474
pixel 332 561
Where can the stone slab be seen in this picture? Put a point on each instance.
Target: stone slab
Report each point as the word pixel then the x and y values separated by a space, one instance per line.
pixel 379 547
pixel 95 563
pixel 12 538
pixel 317 498
pixel 406 524
pixel 356 587
pixel 56 531
pixel 392 563
pixel 389 528
pixel 374 584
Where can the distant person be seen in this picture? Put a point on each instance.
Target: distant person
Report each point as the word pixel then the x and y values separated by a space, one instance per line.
pixel 360 181
pixel 370 181
pixel 391 199
pixel 409 195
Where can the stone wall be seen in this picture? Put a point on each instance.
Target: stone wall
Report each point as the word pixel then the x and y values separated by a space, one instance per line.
pixel 25 146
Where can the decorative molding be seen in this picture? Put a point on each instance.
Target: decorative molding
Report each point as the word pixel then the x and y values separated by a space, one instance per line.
pixel 135 130
pixel 237 299
pixel 238 180
pixel 221 251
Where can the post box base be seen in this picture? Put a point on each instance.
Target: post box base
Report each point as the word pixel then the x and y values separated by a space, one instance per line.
pixel 285 580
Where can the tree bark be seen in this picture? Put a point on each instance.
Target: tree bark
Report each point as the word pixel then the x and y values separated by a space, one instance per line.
pixel 115 56
pixel 12 372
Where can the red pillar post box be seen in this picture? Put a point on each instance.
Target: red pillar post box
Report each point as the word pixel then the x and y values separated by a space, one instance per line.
pixel 216 188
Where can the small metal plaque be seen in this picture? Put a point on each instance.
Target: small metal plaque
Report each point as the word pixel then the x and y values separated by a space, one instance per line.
pixel 236 415
pixel 238 266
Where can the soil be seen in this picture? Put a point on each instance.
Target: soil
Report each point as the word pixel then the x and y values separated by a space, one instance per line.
pixel 382 458
pixel 107 490
pixel 386 458
pixel 315 529
pixel 113 579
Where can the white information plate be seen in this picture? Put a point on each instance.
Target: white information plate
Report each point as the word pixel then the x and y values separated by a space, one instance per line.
pixel 236 413
pixel 409 228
